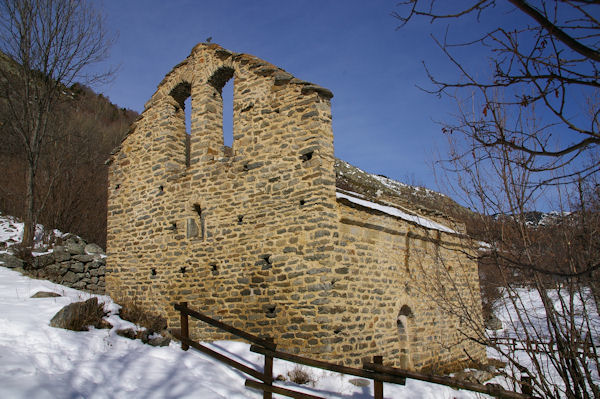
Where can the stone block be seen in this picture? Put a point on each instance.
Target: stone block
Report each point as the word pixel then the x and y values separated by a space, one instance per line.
pixel 76 267
pixel 83 258
pixel 10 261
pixel 74 248
pixel 61 254
pixel 69 278
pixel 42 261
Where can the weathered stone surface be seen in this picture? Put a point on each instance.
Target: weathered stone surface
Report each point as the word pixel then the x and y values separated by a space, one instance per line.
pixel 79 284
pixel 70 278
pixel 43 260
pixel 159 341
pixel 474 376
pixel 76 267
pixel 10 261
pixel 493 323
pixel 78 316
pixel 74 248
pixel 55 269
pixel 95 264
pixel 83 258
pixel 127 333
pixel 92 249
pixel 80 271
pixel 45 294
pixel 61 254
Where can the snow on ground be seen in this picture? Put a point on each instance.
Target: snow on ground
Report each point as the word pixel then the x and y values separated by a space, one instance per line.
pixel 528 303
pixel 38 361
pixel 11 233
pixel 11 230
pixel 420 220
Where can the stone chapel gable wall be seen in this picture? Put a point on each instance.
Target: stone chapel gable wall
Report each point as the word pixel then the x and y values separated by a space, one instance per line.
pixel 244 232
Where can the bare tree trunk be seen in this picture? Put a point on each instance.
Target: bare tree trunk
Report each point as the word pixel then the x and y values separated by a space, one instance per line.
pixel 29 224
pixel 595 288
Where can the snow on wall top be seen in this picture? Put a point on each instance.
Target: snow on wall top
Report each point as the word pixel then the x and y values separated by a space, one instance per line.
pixel 421 221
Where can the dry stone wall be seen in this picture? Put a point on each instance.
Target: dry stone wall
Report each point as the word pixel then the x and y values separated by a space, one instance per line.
pixel 75 264
pixel 253 234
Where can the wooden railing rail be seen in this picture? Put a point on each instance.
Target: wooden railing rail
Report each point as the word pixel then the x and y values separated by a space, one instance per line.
pixel 222 358
pixel 371 375
pixel 182 307
pixel 490 389
pixel 266 376
pixel 535 346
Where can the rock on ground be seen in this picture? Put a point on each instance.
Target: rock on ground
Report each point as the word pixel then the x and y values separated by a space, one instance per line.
pixel 78 316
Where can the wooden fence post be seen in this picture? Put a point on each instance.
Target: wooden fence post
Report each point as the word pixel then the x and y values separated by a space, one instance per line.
pixel 526 388
pixel 525 381
pixel 377 385
pixel 268 372
pixel 185 332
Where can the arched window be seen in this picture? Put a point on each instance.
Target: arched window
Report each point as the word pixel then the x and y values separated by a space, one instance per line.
pixel 227 95
pixel 403 322
pixel 181 94
pixel 222 81
pixel 403 319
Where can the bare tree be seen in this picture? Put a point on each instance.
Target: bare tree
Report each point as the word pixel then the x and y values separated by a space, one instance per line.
pixel 527 134
pixel 54 42
pixel 548 59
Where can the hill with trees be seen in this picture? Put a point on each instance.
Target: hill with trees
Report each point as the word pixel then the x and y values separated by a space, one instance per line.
pixel 72 177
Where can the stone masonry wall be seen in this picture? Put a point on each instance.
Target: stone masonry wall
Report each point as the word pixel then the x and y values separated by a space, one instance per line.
pixel 392 269
pixel 252 235
pixel 239 233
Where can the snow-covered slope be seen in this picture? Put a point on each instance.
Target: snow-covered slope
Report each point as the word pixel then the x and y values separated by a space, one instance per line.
pixel 39 361
pixel 419 220
pixel 420 200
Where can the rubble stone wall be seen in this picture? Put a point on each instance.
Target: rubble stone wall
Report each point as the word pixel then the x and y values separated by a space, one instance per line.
pixel 401 279
pixel 75 264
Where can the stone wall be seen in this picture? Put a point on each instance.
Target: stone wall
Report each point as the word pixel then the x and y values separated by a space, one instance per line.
pixel 252 235
pixel 75 264
pixel 393 271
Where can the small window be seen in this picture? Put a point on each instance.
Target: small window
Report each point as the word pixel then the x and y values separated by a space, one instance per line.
pixel 307 156
pixel 188 130
pixel 402 321
pixel 192 228
pixel 227 95
pixel 201 216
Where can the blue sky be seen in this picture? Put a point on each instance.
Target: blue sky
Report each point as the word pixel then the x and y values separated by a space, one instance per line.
pixel 382 122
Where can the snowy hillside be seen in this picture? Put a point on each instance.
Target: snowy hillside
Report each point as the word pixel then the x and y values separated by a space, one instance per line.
pixel 379 188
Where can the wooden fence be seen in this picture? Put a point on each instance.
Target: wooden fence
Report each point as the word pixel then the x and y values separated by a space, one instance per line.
pixel 545 347
pixel 374 370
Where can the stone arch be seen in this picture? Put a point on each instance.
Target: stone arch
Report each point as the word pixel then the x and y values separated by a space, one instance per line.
pixel 220 77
